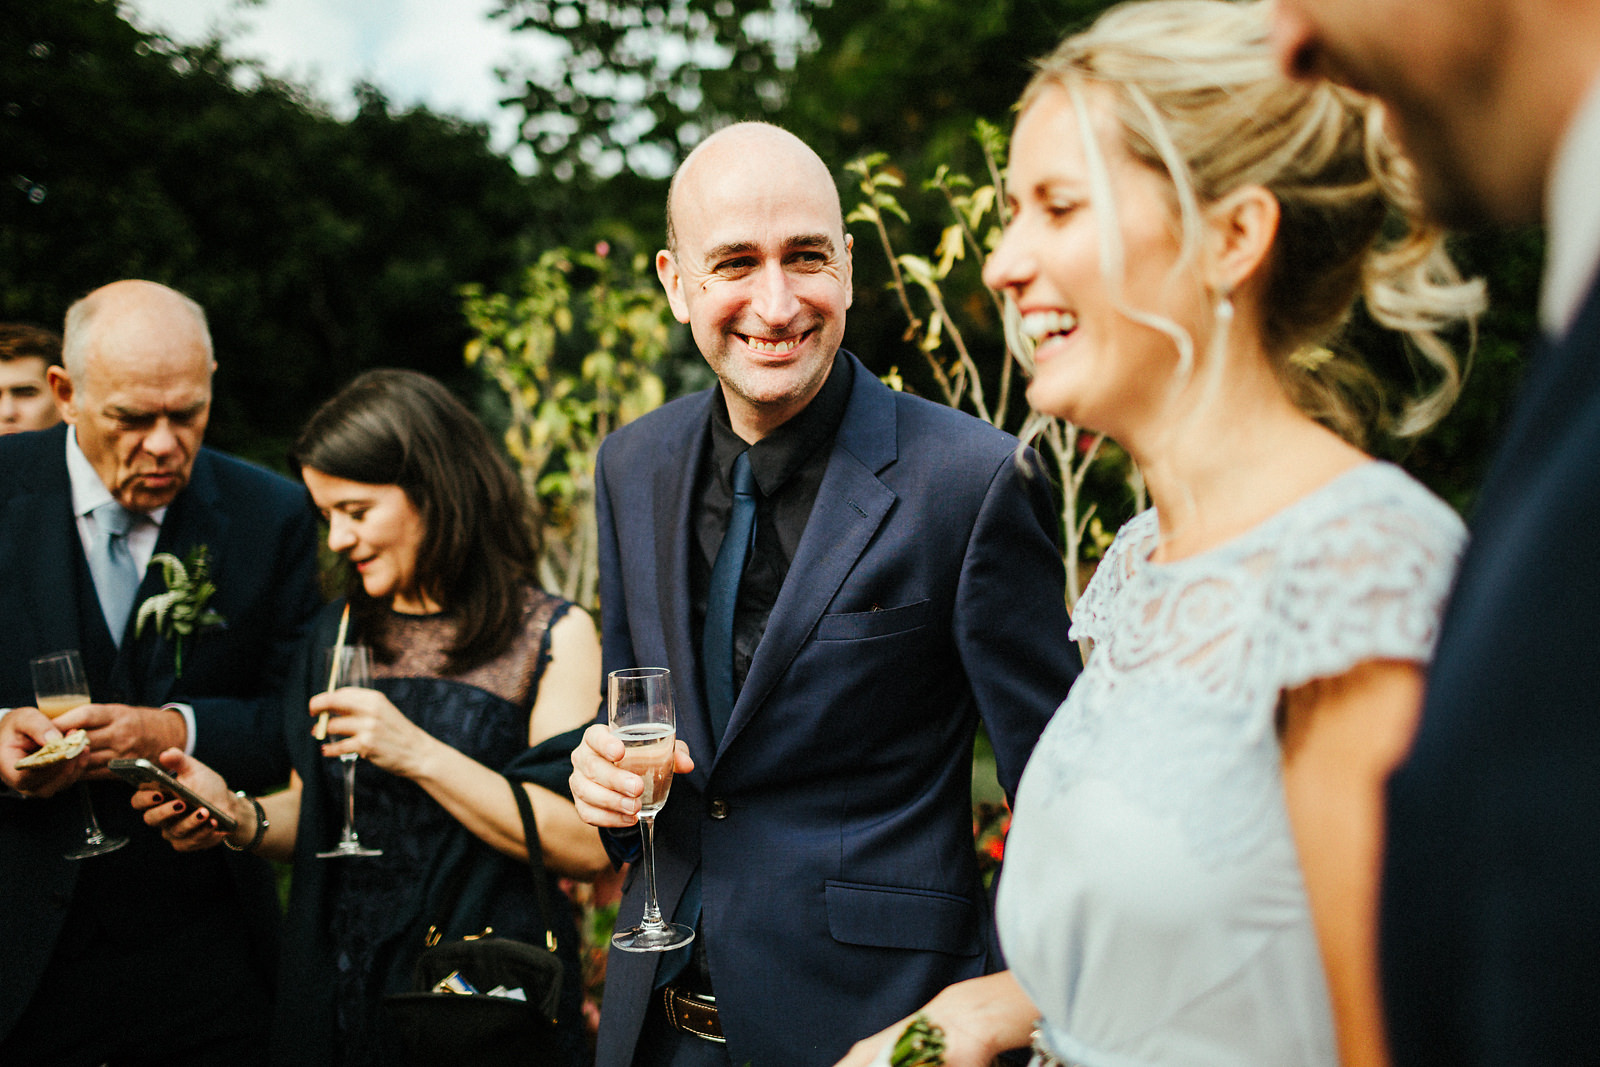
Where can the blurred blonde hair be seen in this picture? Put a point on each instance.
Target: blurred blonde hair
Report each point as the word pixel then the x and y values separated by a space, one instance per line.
pixel 1198 97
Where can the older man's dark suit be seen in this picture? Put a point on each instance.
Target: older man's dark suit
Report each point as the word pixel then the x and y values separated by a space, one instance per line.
pixel 1491 920
pixel 260 534
pixel 834 823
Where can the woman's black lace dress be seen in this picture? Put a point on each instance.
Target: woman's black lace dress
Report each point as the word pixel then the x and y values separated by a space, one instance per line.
pixel 355 926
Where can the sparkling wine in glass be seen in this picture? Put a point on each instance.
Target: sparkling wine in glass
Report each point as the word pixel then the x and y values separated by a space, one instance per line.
pixel 348 665
pixel 59 685
pixel 640 703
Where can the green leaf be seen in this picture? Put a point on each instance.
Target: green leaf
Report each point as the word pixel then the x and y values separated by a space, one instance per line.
pixel 952 246
pixel 181 610
pixel 921 1044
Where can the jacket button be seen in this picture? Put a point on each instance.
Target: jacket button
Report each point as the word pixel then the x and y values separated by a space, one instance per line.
pixel 719 808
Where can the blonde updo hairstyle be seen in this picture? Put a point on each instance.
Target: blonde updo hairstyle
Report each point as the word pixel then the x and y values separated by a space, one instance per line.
pixel 1197 95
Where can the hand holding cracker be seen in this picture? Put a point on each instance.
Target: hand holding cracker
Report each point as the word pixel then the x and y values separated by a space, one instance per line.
pixel 25 733
pixel 63 748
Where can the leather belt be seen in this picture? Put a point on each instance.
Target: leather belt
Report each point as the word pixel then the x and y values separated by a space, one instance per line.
pixel 693 1013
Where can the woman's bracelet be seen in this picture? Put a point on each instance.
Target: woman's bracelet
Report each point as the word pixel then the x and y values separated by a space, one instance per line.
pixel 261 825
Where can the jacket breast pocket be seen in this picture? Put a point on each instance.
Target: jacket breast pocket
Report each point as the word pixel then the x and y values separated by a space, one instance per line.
pixel 858 625
pixel 880 916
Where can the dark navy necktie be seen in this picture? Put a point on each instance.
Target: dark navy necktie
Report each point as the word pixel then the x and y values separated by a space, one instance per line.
pixel 716 656
pixel 716 644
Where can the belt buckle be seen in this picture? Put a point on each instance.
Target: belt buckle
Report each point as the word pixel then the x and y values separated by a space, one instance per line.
pixel 693 1013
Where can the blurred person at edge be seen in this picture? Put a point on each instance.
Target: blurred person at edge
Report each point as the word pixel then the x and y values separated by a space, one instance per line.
pixel 135 393
pixel 26 355
pixel 1192 871
pixel 482 684
pixel 1490 933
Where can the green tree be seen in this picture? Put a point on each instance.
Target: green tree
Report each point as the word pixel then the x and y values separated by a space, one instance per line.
pixel 643 80
pixel 576 350
pixel 639 79
pixel 319 247
pixel 907 79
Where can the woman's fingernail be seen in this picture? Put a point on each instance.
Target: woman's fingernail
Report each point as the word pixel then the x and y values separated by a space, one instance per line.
pixel 178 807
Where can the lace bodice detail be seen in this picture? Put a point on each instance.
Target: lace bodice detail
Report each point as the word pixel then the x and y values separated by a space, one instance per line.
pixel 420 645
pixel 1151 901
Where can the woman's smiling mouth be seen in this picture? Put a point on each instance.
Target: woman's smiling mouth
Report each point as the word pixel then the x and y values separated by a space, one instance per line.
pixel 1040 326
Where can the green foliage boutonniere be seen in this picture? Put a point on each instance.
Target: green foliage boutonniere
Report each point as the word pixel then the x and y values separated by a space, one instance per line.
pixel 921 1044
pixel 181 610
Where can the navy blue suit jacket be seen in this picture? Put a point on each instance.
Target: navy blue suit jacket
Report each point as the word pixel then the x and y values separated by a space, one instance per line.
pixel 1491 898
pixel 260 533
pixel 834 826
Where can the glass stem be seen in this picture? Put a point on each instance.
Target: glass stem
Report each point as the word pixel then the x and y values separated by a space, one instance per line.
pixel 91 825
pixel 652 910
pixel 349 761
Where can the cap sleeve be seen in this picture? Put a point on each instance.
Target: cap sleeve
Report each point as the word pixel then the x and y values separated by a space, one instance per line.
pixel 1366 582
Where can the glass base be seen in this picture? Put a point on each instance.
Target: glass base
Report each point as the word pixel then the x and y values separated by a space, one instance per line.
pixel 661 938
pixel 349 848
pixel 97 845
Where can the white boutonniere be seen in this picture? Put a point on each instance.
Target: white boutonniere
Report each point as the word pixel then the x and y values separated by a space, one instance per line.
pixel 181 610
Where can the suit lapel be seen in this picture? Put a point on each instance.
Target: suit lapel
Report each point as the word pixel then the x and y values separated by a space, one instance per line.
pixel 42 522
pixel 673 532
pixel 851 505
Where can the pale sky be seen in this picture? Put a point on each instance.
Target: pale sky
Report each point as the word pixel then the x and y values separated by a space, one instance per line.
pixel 441 53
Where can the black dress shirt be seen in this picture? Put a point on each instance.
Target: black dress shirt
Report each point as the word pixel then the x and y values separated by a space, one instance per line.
pixel 788 465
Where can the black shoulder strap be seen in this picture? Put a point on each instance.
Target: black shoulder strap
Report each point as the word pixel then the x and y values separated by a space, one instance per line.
pixel 541 884
pixel 456 883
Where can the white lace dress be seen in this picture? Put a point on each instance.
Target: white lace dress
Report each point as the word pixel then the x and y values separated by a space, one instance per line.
pixel 1151 903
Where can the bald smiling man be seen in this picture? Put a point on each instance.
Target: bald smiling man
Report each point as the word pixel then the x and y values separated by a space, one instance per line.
pixel 901 582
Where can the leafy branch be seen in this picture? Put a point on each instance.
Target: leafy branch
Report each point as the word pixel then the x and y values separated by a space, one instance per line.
pixel 929 291
pixel 574 359
pixel 921 1044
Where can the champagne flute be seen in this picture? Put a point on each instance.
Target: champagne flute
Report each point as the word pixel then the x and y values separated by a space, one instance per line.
pixel 349 665
pixel 640 702
pixel 60 684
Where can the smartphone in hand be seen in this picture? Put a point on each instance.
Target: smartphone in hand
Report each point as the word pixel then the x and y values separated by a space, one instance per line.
pixel 140 772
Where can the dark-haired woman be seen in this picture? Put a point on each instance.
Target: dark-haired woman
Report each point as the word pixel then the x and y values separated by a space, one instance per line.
pixel 480 677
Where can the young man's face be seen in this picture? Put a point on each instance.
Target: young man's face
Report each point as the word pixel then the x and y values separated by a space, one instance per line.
pixel 26 402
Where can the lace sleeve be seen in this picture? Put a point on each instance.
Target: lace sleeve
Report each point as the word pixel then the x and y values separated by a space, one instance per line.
pixel 1091 616
pixel 1368 583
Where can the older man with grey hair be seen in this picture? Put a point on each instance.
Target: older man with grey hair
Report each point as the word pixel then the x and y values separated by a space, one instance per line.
pixel 140 955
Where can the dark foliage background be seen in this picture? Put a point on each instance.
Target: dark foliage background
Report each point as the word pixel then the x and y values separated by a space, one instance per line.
pixel 322 246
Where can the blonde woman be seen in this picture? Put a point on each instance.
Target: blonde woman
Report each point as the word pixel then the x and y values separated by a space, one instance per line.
pixel 1192 870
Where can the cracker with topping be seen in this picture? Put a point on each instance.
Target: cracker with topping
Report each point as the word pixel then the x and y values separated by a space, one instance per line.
pixel 66 747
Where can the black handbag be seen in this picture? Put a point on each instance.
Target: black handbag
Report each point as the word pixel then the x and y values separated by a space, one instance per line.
pixel 448 1019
